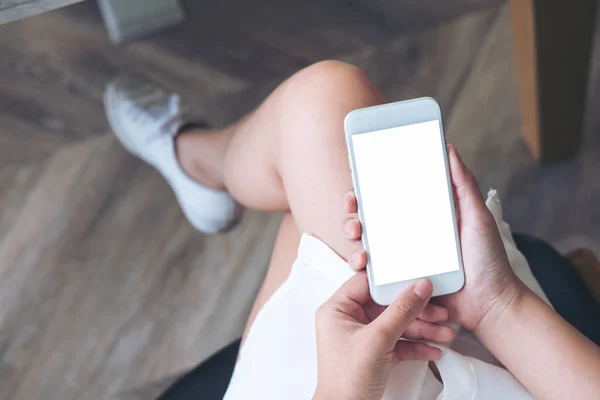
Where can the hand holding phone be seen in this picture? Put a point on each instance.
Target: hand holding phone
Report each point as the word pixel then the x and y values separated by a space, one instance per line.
pixel 368 349
pixel 489 280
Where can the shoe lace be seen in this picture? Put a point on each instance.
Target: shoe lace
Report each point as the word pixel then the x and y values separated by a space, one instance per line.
pixel 170 122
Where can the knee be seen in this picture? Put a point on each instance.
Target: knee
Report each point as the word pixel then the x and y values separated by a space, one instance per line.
pixel 331 84
pixel 331 75
pixel 312 104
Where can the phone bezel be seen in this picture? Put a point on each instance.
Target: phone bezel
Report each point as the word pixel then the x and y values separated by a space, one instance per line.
pixel 370 119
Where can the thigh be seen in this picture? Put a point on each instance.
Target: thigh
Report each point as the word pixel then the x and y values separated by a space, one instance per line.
pixel 313 160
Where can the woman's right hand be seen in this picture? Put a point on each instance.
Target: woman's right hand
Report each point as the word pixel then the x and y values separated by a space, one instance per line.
pixel 490 283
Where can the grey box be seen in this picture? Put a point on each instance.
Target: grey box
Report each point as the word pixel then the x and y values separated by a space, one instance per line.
pixel 126 20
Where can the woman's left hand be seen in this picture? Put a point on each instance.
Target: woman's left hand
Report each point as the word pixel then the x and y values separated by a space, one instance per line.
pixel 358 340
pixel 490 283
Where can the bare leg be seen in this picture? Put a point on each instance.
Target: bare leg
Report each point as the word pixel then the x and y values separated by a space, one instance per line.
pixel 289 154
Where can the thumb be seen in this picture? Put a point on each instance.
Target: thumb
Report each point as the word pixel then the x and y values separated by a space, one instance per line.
pixel 465 185
pixel 472 210
pixel 393 321
pixel 462 178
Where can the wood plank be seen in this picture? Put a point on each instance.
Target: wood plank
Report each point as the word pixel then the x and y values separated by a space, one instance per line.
pixel 434 63
pixel 523 31
pixel 263 39
pixel 553 43
pixel 12 10
pixel 426 12
pixel 53 76
pixel 100 259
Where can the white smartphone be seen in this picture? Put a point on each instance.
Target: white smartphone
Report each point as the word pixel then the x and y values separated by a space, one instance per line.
pixel 399 163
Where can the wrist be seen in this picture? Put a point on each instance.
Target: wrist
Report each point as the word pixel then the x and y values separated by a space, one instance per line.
pixel 329 393
pixel 507 303
pixel 322 394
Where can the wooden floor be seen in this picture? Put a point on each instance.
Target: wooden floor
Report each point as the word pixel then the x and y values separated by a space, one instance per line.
pixel 105 289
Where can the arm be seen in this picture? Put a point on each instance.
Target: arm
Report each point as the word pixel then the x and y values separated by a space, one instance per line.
pixel 545 353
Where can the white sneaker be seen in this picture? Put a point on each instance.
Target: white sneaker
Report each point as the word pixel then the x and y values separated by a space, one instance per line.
pixel 146 118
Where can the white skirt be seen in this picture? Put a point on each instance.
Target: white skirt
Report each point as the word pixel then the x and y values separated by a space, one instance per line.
pixel 279 359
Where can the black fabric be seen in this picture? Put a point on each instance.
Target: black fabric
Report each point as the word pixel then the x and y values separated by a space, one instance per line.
pixel 558 280
pixel 562 285
pixel 209 380
pixel 191 126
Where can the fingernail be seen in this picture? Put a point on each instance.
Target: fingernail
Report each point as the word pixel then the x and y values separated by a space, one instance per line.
pixel 423 288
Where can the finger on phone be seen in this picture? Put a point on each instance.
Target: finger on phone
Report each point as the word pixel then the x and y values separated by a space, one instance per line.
pixel 462 178
pixel 358 260
pixel 470 204
pixel 352 228
pixel 407 351
pixel 405 309
pixel 422 330
pixel 350 206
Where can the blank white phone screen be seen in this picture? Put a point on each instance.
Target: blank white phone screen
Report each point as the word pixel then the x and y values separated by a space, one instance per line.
pixel 405 202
